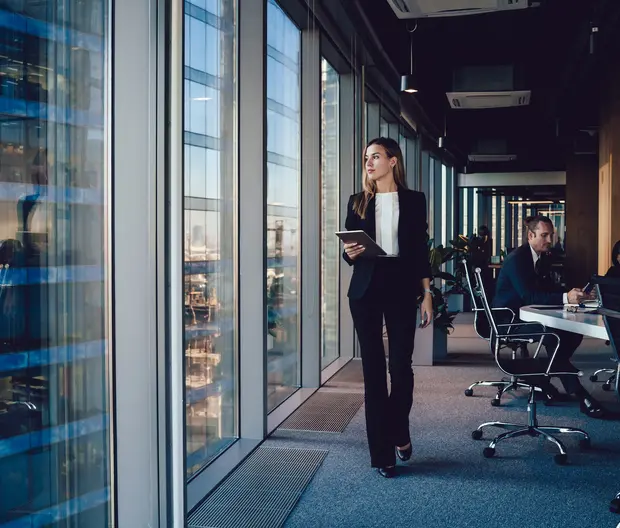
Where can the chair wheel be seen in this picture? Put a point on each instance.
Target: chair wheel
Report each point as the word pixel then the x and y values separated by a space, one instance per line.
pixel 594 378
pixel 496 402
pixel 488 452
pixel 469 392
pixel 585 444
pixel 477 434
pixel 614 506
pixel 561 460
pixel 606 387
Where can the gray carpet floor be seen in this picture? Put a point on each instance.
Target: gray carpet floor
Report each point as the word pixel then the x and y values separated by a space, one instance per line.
pixel 448 483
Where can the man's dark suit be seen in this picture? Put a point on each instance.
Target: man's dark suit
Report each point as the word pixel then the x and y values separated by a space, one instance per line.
pixel 521 284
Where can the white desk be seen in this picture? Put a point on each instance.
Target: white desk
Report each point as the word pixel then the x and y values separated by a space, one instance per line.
pixel 580 323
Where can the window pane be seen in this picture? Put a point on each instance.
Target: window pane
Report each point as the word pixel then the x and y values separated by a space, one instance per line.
pixel 494 223
pixel 54 343
pixel 384 129
pixel 444 205
pixel 330 205
pixel 465 212
pixel 209 177
pixel 502 243
pixel 283 214
pixel 475 214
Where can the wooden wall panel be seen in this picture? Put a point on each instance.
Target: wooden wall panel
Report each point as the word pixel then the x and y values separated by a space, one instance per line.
pixel 581 219
pixel 609 169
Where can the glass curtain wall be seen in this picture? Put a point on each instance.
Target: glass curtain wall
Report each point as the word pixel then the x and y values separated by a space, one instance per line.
pixel 283 211
pixel 330 218
pixel 55 467
pixel 210 234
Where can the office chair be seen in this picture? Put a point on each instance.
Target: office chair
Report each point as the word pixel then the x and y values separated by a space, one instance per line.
pixel 609 382
pixel 610 310
pixel 505 385
pixel 532 371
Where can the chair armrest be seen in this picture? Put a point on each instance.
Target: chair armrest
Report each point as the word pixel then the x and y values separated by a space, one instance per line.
pixel 505 309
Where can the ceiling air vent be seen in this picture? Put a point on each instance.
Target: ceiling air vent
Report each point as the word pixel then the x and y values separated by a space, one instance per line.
pixel 489 158
pixel 442 8
pixel 481 100
pixel 491 150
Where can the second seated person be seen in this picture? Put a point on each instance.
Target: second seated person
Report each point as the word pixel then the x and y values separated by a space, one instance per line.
pixel 525 279
pixel 388 287
pixel 614 271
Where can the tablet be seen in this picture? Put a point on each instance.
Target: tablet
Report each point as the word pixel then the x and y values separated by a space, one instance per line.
pixel 362 238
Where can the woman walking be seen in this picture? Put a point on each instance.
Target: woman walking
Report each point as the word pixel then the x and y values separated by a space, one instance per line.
pixel 388 287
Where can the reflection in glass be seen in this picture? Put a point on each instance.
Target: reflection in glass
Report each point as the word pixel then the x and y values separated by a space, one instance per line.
pixel 54 344
pixel 330 205
pixel 210 232
pixel 283 179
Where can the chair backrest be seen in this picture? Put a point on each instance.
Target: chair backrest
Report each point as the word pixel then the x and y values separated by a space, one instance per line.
pixel 609 289
pixel 485 302
pixel 475 302
pixel 481 325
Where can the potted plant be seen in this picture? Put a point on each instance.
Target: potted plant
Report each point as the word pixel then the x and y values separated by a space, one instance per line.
pixel 432 342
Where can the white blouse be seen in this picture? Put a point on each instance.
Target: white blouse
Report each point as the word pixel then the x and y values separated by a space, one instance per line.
pixel 386 219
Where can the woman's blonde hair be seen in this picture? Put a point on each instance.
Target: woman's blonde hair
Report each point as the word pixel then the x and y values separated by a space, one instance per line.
pixel 392 150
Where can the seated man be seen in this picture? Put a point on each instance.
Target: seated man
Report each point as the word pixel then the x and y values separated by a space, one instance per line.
pixel 525 279
pixel 614 271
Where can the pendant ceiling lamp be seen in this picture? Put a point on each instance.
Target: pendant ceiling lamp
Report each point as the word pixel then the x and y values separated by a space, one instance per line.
pixel 407 82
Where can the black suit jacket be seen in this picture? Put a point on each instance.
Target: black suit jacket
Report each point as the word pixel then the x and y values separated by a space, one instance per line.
pixel 613 272
pixel 519 285
pixel 412 243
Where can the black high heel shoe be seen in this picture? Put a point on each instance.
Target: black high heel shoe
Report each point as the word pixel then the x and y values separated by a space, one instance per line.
pixel 404 454
pixel 387 472
pixel 590 407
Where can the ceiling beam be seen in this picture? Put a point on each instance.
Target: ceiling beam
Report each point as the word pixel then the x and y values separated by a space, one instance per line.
pixel 511 179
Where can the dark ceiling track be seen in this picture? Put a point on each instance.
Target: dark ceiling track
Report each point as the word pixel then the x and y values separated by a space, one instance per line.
pixel 386 65
pixel 581 59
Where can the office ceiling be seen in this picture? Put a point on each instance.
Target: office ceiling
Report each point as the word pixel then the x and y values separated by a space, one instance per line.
pixel 551 50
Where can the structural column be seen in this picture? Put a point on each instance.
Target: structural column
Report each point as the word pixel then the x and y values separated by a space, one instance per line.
pixel 311 210
pixel 582 220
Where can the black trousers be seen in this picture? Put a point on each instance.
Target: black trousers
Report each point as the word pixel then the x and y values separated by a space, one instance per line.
pixel 387 416
pixel 569 342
